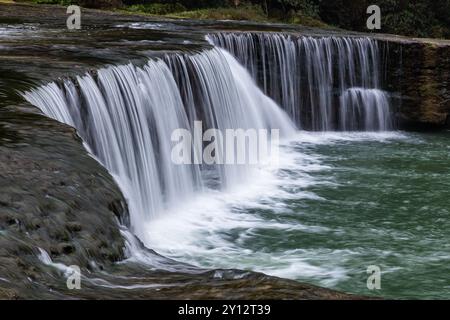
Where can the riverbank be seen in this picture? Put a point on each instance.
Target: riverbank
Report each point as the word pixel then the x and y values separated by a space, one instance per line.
pixel 243 13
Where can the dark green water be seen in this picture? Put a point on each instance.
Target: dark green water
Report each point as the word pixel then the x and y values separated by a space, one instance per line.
pixel 340 203
pixel 391 207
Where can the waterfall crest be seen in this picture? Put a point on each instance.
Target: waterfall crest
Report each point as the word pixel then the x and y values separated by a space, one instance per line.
pixel 126 115
pixel 314 78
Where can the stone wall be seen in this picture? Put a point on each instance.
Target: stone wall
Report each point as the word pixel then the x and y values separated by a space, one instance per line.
pixel 417 72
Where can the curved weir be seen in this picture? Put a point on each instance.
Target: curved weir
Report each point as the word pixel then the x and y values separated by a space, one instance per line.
pixel 127 114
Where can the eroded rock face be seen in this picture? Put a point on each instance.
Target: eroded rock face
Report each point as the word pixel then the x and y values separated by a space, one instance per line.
pixel 53 196
pixel 418 71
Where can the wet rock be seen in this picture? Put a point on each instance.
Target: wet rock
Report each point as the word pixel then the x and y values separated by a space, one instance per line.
pixel 418 73
pixel 74 226
pixel 66 248
pixel 8 294
pixel 37 213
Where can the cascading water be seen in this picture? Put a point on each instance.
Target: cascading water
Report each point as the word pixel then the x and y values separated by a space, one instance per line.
pixel 126 115
pixel 315 78
pixel 289 220
pixel 364 109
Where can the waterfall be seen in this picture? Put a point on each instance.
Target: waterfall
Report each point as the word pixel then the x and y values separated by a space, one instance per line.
pixel 364 109
pixel 126 115
pixel 315 79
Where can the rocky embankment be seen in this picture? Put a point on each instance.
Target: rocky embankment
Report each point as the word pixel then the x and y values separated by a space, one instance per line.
pixel 418 72
pixel 53 197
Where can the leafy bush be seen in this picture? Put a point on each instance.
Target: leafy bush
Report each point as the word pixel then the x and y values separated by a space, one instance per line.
pixel 60 2
pixel 157 8
pixel 413 18
pixel 251 13
pixel 303 7
pixel 421 18
pixel 188 4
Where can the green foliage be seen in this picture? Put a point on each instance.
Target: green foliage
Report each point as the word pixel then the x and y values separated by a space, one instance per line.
pixel 252 13
pixel 423 18
pixel 157 8
pixel 60 2
pixel 189 4
pixel 414 18
pixel 304 7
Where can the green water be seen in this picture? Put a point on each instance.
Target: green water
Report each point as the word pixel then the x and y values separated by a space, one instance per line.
pixel 341 203
pixel 390 208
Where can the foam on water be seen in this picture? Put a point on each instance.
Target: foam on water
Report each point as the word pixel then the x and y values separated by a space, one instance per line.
pixel 126 116
pixel 214 229
pixel 329 137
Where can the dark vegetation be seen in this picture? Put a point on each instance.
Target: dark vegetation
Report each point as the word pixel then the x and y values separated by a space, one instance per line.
pixel 420 18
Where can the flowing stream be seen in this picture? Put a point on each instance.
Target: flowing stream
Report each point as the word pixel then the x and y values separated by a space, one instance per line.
pixel 320 214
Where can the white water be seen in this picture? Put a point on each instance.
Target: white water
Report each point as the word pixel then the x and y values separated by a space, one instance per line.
pixel 126 116
pixel 219 229
pixel 367 109
pixel 311 76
